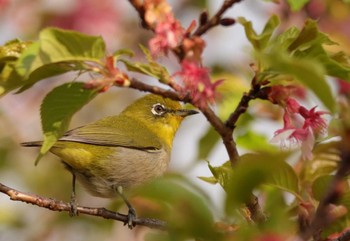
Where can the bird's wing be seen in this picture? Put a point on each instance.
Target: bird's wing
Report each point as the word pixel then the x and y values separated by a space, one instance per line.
pixel 115 132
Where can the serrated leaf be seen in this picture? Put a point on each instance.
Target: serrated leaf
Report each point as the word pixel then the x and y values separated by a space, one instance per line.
pixel 57 109
pixel 286 38
pixel 67 50
pixel 309 36
pixel 222 174
pixel 334 65
pixel 259 41
pixel 66 45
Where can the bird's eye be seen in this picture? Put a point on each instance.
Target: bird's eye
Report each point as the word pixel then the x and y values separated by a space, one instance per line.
pixel 158 109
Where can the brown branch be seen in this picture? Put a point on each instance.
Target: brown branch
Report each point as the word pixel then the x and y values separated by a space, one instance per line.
pixel 139 85
pixel 60 206
pixel 215 20
pixel 345 236
pixel 138 5
pixel 256 92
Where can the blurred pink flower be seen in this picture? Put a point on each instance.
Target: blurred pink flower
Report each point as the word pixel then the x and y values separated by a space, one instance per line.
pixel 343 87
pixel 301 126
pixel 95 17
pixel 196 82
pixel 4 4
pixel 168 35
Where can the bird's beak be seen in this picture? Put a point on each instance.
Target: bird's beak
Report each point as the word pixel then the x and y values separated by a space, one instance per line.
pixel 185 112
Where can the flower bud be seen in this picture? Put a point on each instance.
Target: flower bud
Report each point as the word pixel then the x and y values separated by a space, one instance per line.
pixel 203 18
pixel 227 21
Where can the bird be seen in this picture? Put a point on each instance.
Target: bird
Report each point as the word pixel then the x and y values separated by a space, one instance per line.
pixel 122 151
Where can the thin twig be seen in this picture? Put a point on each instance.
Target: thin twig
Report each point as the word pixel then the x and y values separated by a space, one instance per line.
pixel 60 206
pixel 138 5
pixel 215 20
pixel 256 92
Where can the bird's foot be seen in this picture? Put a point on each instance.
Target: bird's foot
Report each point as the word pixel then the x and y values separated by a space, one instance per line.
pixel 73 207
pixel 131 218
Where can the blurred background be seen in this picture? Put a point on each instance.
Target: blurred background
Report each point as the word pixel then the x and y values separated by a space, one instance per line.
pixel 227 52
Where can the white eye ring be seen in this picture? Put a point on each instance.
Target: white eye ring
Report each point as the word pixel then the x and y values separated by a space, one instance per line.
pixel 158 109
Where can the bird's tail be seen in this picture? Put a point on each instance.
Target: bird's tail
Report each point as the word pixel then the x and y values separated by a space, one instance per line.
pixel 32 143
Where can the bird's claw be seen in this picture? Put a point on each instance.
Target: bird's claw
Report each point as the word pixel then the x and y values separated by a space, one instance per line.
pixel 131 218
pixel 73 207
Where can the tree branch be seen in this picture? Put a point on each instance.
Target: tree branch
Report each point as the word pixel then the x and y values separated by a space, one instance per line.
pixel 60 206
pixel 344 236
pixel 256 92
pixel 215 20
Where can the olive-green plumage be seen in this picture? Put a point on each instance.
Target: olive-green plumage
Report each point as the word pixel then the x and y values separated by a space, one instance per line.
pixel 124 150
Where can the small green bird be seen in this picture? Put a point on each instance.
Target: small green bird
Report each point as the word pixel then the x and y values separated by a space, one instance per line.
pixel 122 151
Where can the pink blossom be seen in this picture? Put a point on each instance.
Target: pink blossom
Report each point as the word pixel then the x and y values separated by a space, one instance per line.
pixel 196 82
pixel 168 35
pixel 300 125
pixel 111 75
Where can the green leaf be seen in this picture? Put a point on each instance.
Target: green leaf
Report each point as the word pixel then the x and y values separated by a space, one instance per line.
pixel 59 45
pixel 183 206
pixel 254 170
pixel 9 77
pixel 57 109
pixel 286 38
pixel 325 161
pixel 296 5
pixel 259 41
pixel 321 185
pixel 222 174
pixel 12 50
pixel 152 68
pixel 58 51
pixel 336 65
pixel 310 36
pixel 121 52
pixel 254 141
pixel 308 71
pixel 207 143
